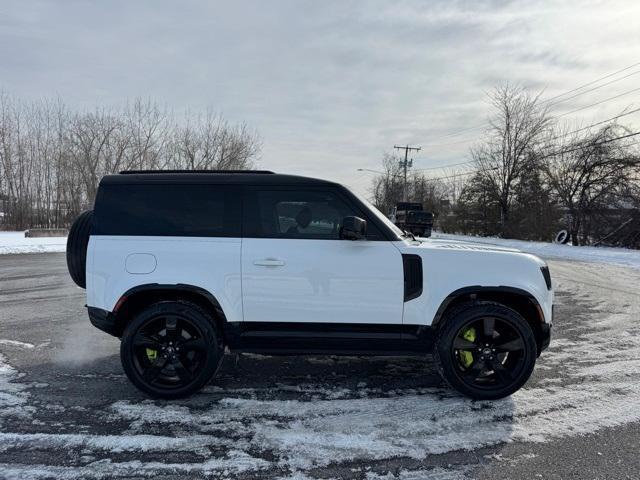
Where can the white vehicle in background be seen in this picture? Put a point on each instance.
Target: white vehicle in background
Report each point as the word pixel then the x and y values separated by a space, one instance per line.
pixel 181 265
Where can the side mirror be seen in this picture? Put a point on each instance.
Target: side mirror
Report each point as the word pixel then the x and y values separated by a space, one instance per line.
pixel 353 228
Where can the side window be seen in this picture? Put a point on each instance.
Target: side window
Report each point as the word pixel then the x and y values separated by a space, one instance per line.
pixel 309 214
pixel 168 210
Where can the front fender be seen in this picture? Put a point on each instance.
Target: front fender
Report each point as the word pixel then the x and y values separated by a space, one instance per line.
pixel 449 272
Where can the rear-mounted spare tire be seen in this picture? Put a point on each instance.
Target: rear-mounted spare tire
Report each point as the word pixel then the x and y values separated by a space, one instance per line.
pixel 77 243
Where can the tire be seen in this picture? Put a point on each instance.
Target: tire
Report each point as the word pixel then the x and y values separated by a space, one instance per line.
pixel 77 243
pixel 485 372
pixel 562 237
pixel 177 369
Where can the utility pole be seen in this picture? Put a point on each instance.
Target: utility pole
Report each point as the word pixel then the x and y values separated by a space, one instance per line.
pixel 406 164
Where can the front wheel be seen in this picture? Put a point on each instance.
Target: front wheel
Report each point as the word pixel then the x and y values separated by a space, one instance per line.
pixel 485 350
pixel 171 349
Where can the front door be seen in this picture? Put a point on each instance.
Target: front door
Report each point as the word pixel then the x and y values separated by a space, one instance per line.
pixel 297 274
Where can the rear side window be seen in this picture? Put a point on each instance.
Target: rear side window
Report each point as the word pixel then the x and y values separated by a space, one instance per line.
pixel 168 210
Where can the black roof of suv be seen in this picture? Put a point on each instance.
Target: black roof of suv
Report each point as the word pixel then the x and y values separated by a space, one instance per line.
pixel 237 177
pixel 116 203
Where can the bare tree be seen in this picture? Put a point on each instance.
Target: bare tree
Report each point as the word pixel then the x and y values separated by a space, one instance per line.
pixel 92 138
pixel 515 134
pixel 208 142
pixel 589 172
pixel 149 131
pixel 51 159
pixel 387 188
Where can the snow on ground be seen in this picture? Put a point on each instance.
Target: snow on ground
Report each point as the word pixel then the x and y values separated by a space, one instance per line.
pixel 236 463
pixel 16 343
pixel 13 398
pixel 15 242
pixel 615 256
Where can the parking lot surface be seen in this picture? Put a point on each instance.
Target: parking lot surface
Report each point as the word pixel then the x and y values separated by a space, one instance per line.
pixel 67 410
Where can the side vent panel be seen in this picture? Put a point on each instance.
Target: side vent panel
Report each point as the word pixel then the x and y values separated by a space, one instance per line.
pixel 412 265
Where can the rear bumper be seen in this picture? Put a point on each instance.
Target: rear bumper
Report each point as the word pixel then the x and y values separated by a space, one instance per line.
pixel 103 320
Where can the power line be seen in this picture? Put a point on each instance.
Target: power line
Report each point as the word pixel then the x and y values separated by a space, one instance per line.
pixel 554 138
pixel 448 144
pixel 594 81
pixel 406 165
pixel 597 123
pixel 569 113
pixel 442 166
pixel 458 132
pixel 464 174
pixel 560 152
pixel 602 142
pixel 453 176
pixel 592 89
pixel 598 103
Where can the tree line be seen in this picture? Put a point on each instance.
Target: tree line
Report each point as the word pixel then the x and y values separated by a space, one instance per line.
pixel 52 157
pixel 532 176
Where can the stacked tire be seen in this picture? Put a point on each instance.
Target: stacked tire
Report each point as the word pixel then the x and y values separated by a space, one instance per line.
pixel 77 243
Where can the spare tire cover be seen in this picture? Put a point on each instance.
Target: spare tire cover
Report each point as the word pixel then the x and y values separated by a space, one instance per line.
pixel 77 243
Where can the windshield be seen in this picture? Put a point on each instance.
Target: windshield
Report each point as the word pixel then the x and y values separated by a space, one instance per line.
pixel 380 215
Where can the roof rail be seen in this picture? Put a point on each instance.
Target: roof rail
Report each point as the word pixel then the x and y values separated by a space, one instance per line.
pixel 137 172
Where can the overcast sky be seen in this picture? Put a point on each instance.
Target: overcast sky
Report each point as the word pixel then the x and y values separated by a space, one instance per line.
pixel 330 86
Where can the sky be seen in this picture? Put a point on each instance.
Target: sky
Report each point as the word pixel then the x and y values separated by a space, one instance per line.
pixel 329 85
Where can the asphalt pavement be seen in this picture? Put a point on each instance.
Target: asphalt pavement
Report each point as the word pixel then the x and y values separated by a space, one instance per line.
pixel 68 411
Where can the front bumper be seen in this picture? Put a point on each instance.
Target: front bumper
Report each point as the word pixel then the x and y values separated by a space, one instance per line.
pixel 545 337
pixel 103 320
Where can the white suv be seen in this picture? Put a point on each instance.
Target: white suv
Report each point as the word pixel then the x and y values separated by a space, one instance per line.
pixel 181 265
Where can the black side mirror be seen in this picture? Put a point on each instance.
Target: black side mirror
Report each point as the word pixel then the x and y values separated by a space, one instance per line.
pixel 353 228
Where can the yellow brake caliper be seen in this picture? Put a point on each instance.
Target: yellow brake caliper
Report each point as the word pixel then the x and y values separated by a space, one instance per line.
pixel 151 354
pixel 466 356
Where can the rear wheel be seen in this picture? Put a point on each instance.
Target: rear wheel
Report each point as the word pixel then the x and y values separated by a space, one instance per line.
pixel 171 349
pixel 486 350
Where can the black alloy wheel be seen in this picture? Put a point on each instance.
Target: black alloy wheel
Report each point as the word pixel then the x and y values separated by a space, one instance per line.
pixel 171 349
pixel 486 351
pixel 494 356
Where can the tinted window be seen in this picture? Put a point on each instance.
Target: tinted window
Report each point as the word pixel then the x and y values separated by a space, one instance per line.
pixel 311 214
pixel 168 210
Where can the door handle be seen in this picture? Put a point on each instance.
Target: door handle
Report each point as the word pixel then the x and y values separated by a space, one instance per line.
pixel 269 262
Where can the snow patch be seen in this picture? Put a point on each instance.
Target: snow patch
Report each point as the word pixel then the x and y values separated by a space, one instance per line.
pixel 16 343
pixel 16 242
pixel 112 443
pixel 13 397
pixel 436 473
pixel 236 462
